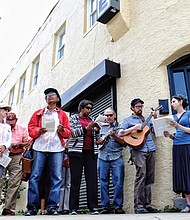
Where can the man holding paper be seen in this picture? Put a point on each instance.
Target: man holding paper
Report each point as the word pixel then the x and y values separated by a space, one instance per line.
pixel 49 127
pixel 5 136
pixel 14 169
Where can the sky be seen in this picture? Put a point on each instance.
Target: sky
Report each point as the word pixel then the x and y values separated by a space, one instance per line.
pixel 19 22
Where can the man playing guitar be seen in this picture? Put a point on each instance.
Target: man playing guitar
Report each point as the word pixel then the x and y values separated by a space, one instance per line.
pixel 143 156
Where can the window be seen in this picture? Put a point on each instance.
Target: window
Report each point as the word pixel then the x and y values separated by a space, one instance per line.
pixel 179 77
pixel 92 13
pixel 35 72
pixel 60 44
pixel 22 86
pixel 11 97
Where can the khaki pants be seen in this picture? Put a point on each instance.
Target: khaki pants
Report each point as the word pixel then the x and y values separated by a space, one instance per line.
pixel 14 171
pixel 145 166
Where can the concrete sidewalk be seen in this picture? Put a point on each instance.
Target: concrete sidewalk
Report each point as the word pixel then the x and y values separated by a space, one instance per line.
pixel 156 216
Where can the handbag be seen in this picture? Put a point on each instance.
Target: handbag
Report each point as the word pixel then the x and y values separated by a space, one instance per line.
pixel 27 160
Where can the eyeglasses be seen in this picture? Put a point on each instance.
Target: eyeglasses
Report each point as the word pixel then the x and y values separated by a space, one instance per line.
pixel 89 108
pixel 109 115
pixel 6 109
pixel 50 94
pixel 139 106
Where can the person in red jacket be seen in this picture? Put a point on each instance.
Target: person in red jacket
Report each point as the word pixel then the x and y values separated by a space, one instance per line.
pixel 49 127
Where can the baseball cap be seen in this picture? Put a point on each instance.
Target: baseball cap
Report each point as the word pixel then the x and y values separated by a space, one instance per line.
pixel 11 116
pixel 48 90
pixel 135 101
pixel 5 106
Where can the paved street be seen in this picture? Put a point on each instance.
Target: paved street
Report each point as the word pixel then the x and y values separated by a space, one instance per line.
pixel 157 216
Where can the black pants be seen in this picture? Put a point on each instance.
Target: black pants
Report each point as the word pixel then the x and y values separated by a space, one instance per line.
pixel 89 161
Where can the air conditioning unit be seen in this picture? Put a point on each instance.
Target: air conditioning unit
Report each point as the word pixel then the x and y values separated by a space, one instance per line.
pixel 107 9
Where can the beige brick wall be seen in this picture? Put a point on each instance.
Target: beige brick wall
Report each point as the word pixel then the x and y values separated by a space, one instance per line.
pixel 144 37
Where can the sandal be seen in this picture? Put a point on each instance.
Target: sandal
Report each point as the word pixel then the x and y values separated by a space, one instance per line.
pixel 186 209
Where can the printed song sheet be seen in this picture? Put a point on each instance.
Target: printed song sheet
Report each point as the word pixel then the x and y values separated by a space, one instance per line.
pixel 5 160
pixel 163 124
pixel 101 120
pixel 48 123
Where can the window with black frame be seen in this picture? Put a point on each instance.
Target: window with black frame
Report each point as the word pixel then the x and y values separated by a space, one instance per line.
pixel 179 77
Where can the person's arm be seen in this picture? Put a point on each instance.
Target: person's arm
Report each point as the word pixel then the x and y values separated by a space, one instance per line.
pixel 116 137
pixel 179 126
pixel 129 130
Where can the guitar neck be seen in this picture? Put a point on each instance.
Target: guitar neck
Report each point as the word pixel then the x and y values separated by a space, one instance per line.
pixel 150 116
pixel 146 121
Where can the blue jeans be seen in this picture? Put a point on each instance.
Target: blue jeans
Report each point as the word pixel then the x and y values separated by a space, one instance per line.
pixel 55 161
pixel 117 168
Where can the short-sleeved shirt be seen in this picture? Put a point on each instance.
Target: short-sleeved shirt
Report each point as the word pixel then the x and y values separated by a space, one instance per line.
pixel 182 137
pixel 113 149
pixel 132 121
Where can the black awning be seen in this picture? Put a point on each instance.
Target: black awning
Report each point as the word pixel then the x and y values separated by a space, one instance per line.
pixel 96 77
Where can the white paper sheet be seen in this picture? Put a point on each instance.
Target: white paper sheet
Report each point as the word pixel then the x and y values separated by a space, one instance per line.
pixel 5 160
pixel 163 124
pixel 48 123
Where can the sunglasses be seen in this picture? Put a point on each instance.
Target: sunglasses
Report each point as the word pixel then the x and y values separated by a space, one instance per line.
pixel 109 115
pixel 50 94
pixel 6 109
pixel 89 108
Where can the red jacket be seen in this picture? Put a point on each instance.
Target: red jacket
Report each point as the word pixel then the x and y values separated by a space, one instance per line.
pixel 35 124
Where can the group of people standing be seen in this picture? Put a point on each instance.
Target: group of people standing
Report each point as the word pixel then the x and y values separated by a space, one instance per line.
pixel 94 149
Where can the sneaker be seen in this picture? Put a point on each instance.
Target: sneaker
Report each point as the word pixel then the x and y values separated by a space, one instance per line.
pixel 94 212
pixel 52 211
pixel 73 212
pixel 186 209
pixel 119 211
pixel 30 212
pixel 7 212
pixel 105 211
pixel 141 210
pixel 151 210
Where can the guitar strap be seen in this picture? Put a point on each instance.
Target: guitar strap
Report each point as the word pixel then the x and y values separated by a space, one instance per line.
pixel 142 118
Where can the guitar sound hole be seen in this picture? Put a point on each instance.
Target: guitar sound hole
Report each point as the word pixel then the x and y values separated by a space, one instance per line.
pixel 134 137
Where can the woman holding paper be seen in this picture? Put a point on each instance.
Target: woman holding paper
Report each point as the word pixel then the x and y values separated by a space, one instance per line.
pixel 181 148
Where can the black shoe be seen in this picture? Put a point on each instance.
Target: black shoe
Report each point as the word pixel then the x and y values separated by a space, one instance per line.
pixel 30 212
pixel 105 211
pixel 7 212
pixel 52 212
pixel 141 210
pixel 151 210
pixel 64 212
pixel 119 211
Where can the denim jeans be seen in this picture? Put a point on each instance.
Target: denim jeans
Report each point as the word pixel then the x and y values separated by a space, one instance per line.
pixel 117 169
pixel 55 160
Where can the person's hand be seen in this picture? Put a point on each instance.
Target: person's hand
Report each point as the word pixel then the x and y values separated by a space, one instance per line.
pixel 174 124
pixel 42 131
pixel 111 132
pixel 137 127
pixel 154 114
pixel 100 141
pixel 166 134
pixel 60 128
pixel 90 125
pixel 2 148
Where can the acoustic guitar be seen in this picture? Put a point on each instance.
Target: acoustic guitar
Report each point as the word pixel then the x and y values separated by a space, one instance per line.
pixel 136 139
